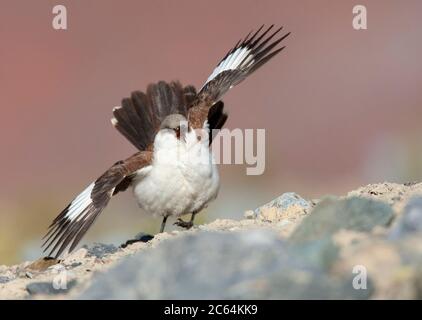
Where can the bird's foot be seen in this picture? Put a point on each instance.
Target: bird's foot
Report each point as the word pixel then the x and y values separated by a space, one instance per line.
pixel 184 224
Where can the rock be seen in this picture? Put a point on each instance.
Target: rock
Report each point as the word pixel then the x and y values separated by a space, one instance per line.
pixel 75 257
pixel 410 221
pixel 330 216
pixel 249 214
pixel 393 194
pixel 391 266
pixel 297 285
pixel 270 214
pixel 6 275
pixel 287 249
pixel 140 237
pixel 47 288
pixel 75 264
pixel 211 265
pixel 143 237
pixel 4 279
pixel 43 264
pixel 320 254
pixel 283 223
pixel 100 250
pixel 348 238
pixel 287 204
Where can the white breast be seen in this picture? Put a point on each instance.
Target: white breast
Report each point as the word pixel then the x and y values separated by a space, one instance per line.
pixel 182 179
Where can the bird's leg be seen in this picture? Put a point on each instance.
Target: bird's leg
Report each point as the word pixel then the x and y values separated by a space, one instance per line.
pixel 186 224
pixel 163 224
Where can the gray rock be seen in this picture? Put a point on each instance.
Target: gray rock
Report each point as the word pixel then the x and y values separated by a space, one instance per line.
pixel 298 286
pixel 331 215
pixel 285 201
pixel 411 220
pixel 320 254
pixel 75 264
pixel 215 265
pixel 100 250
pixel 4 279
pixel 140 237
pixel 143 237
pixel 48 288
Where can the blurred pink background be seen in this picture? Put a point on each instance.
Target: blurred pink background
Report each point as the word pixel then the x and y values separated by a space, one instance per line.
pixel 341 107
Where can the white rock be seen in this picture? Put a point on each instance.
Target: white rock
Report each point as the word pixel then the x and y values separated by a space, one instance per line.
pixel 249 214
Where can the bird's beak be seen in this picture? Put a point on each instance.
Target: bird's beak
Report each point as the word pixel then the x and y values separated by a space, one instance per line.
pixel 182 133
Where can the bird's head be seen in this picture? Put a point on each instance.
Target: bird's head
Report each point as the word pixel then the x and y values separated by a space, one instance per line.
pixel 175 124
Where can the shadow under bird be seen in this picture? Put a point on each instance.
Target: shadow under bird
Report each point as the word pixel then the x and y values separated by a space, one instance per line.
pixel 173 173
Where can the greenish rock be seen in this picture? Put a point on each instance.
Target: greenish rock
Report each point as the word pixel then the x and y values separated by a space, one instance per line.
pixel 320 254
pixel 215 265
pixel 410 222
pixel 330 215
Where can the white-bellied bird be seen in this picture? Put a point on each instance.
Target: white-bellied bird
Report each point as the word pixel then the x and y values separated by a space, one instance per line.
pixel 173 173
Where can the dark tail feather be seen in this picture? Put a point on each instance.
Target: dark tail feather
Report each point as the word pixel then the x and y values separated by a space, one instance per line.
pixel 140 116
pixel 216 119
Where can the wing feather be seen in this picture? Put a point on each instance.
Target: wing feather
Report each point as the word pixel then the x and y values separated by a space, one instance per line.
pixel 241 61
pixel 139 117
pixel 68 228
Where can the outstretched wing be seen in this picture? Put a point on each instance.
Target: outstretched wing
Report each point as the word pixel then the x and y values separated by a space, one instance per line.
pixel 242 60
pixel 139 117
pixel 73 222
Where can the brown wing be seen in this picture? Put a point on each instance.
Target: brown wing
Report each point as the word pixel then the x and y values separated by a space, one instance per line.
pixel 73 222
pixel 242 60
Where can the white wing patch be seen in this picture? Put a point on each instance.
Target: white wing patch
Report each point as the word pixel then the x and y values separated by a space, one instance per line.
pixel 246 56
pixel 233 62
pixel 80 203
pixel 114 120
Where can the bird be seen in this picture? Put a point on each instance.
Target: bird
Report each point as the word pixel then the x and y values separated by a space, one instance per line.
pixel 173 172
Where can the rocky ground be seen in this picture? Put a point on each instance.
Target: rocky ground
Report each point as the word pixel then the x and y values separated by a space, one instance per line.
pixel 365 245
